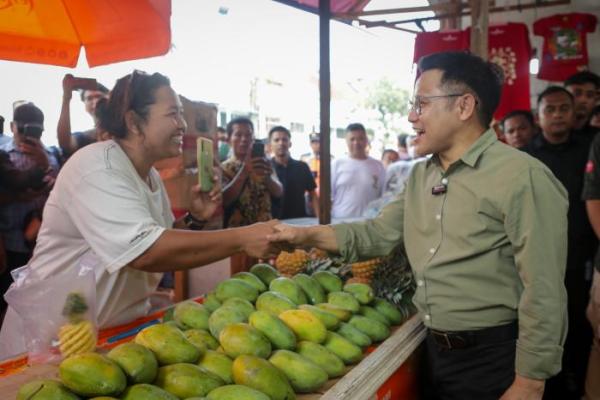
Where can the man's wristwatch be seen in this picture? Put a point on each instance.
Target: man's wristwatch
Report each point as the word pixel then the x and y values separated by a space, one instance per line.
pixel 192 223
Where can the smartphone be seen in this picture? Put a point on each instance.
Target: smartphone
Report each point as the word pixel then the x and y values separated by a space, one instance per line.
pixel 258 149
pixel 205 156
pixel 85 83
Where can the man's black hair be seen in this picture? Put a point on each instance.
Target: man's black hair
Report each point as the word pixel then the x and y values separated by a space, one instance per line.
pixel 99 87
pixel 402 139
pixel 356 126
pixel 240 121
pixel 583 77
pixel 279 128
pixel 551 90
pixel 528 115
pixel 468 73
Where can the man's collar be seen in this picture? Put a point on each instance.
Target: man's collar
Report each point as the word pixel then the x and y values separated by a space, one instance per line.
pixel 472 155
pixel 540 141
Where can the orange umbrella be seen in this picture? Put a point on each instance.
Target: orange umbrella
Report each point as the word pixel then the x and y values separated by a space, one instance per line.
pixel 53 31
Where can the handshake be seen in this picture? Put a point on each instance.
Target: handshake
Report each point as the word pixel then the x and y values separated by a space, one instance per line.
pixel 268 239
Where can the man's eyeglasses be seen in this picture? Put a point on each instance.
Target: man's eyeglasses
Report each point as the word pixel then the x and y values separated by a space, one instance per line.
pixel 416 104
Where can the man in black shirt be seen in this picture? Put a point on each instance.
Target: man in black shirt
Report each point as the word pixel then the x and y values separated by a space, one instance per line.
pixel 566 155
pixel 295 176
pixel 584 87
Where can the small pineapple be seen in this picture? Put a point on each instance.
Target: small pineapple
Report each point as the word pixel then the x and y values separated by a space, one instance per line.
pixel 365 269
pixel 78 335
pixel 366 281
pixel 317 254
pixel 290 264
pixel 393 281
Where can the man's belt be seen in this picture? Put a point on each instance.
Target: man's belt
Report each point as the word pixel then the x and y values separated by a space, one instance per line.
pixel 465 339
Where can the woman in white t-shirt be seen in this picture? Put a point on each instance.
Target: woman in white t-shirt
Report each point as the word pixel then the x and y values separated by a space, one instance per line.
pixel 109 205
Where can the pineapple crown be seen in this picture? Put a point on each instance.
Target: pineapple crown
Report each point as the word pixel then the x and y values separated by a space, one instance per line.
pixel 75 306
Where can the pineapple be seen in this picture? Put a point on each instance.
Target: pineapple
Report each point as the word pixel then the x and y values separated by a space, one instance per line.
pixel 78 335
pixel 366 281
pixel 317 254
pixel 365 269
pixel 393 281
pixel 334 265
pixel 290 264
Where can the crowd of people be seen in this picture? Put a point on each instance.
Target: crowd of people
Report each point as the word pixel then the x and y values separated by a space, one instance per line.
pixel 456 196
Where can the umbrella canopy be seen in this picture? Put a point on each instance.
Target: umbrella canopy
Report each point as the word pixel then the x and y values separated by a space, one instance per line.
pixel 53 31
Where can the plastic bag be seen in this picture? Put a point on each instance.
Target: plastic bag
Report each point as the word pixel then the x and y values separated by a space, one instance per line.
pixel 58 312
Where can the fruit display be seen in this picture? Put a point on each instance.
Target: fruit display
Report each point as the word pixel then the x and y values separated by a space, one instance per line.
pixel 259 335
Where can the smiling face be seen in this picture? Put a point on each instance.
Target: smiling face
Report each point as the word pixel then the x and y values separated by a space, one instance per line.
pixel 164 126
pixel 556 116
pixel 438 122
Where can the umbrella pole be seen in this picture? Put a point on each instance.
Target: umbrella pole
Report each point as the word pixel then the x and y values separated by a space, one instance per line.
pixel 325 102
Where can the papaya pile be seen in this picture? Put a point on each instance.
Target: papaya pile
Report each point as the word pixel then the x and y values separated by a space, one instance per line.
pixel 259 336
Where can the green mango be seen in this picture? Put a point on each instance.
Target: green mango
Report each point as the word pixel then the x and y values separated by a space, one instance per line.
pixel 45 389
pixel 328 280
pixel 244 306
pixel 328 319
pixel 304 375
pixel 344 300
pixel 236 288
pixel 191 315
pixel 264 272
pixel 138 363
pixel 389 310
pixel 372 313
pixel 219 364
pixel 92 374
pixel 374 329
pixel 147 392
pixel 236 392
pixel 259 374
pixel 274 303
pixel 347 351
pixel 324 358
pixel 362 292
pixel 187 380
pixel 239 338
pixel 211 303
pixel 222 317
pixel 354 335
pixel 201 339
pixel 251 279
pixel 274 329
pixel 289 289
pixel 313 290
pixel 169 345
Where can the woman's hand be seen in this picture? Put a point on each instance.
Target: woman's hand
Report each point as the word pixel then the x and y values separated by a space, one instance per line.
pixel 204 204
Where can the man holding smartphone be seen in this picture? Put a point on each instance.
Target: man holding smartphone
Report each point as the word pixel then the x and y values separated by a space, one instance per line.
pixel 91 93
pixel 20 219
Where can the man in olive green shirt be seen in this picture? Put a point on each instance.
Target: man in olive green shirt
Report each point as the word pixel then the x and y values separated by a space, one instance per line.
pixel 484 226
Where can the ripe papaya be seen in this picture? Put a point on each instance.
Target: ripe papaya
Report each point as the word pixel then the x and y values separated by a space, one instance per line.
pixel 191 315
pixel 304 375
pixel 169 344
pixel 274 303
pixel 313 290
pixel 45 389
pixel 324 358
pixel 289 289
pixel 222 317
pixel 201 339
pixel 344 300
pixel 147 392
pixel 187 380
pixel 263 376
pixel 354 335
pixel 374 329
pixel 274 329
pixel 239 338
pixel 92 374
pixel 236 288
pixel 236 392
pixel 328 319
pixel 362 292
pixel 264 272
pixel 305 325
pixel 219 364
pixel 138 362
pixel 347 351
pixel 328 280
pixel 251 279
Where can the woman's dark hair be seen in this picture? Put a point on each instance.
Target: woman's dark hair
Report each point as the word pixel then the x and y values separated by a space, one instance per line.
pixel 135 92
pixel 469 73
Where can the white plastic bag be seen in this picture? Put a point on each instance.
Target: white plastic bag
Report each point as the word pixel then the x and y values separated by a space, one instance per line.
pixel 45 305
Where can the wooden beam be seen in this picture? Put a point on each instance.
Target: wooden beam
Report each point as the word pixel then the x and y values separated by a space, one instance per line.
pixel 479 28
pixel 325 100
pixel 433 7
pixel 452 23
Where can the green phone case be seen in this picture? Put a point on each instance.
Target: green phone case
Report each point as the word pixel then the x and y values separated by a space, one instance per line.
pixel 204 153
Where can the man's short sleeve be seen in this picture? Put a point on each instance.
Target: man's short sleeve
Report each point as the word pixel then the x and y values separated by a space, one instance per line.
pixel 591 183
pixel 114 216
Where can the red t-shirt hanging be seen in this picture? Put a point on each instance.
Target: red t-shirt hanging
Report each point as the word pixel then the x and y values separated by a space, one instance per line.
pixel 565 44
pixel 509 47
pixel 427 43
